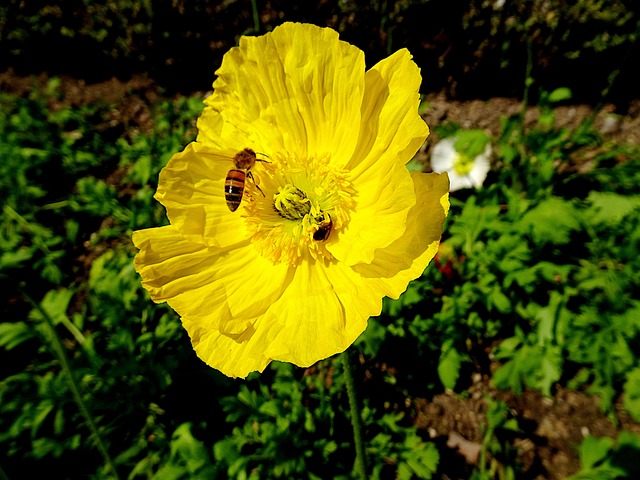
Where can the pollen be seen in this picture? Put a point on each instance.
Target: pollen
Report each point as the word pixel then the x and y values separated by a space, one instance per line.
pixel 306 203
pixel 291 202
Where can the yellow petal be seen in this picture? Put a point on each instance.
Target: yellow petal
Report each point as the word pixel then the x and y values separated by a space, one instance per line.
pixel 191 187
pixel 216 132
pixel 297 89
pixel 235 356
pixel 314 319
pixel 405 259
pixel 390 134
pixel 323 310
pixel 392 129
pixel 164 251
pixel 379 217
pixel 221 289
pixel 356 296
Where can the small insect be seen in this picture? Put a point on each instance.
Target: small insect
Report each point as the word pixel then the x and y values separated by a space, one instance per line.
pixel 234 183
pixel 324 230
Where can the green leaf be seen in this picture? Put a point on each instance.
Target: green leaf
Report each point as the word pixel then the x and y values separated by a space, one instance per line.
pixel 546 318
pixel 225 451
pixel 552 221
pixel 372 338
pixel 594 450
pixel 471 142
pixel 500 301
pixel 626 454
pixel 508 347
pixel 415 165
pixel 141 171
pixel 14 334
pixel 188 453
pixel 631 399
pixel 15 258
pixel 560 94
pixel 508 376
pixel 537 366
pixel 42 411
pixel 55 303
pixel 422 459
pixel 549 372
pixel 610 208
pixel 449 365
pixel 170 471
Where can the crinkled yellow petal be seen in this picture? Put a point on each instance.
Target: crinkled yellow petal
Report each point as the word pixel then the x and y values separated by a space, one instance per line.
pixel 216 132
pixel 379 216
pixel 297 89
pixel 316 315
pixel 191 187
pixel 322 311
pixel 234 355
pixel 164 251
pixel 405 259
pixel 221 289
pixel 390 134
pixel 391 128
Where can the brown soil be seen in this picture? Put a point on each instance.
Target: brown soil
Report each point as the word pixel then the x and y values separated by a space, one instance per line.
pixel 550 428
pixel 486 114
pixel 131 101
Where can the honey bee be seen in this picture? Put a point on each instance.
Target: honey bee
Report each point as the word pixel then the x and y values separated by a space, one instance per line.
pixel 323 231
pixel 234 183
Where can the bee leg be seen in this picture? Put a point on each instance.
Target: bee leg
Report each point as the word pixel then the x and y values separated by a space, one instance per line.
pixel 250 175
pixel 260 159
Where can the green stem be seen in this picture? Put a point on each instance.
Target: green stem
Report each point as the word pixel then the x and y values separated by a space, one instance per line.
pixel 58 349
pixel 24 223
pixel 256 16
pixel 355 418
pixel 528 81
pixel 3 476
pixel 615 74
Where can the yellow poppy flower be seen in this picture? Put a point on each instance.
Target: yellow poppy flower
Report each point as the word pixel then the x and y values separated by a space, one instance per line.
pixel 330 220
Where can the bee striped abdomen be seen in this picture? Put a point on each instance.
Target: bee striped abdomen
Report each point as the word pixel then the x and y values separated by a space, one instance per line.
pixel 234 188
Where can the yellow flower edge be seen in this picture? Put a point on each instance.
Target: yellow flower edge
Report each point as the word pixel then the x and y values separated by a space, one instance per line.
pixel 331 220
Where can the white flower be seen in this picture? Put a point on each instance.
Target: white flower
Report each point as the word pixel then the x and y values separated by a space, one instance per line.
pixel 464 171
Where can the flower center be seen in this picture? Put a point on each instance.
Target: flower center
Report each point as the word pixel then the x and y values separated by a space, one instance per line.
pixel 291 202
pixel 306 201
pixel 462 164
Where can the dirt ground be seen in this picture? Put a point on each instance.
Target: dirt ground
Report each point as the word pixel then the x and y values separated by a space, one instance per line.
pixel 486 115
pixel 132 99
pixel 551 428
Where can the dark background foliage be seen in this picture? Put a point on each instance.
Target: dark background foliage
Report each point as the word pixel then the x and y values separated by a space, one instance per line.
pixel 476 49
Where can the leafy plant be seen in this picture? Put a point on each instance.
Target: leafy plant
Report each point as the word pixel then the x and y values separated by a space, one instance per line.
pixel 603 458
pixel 497 457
